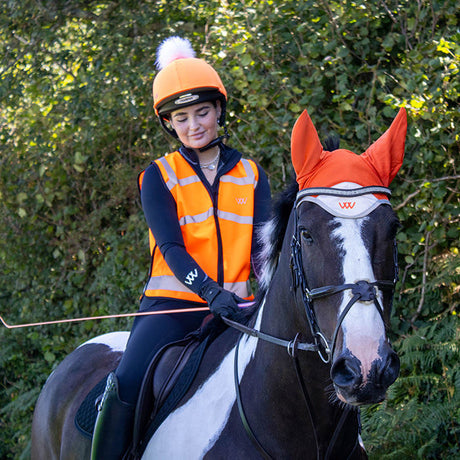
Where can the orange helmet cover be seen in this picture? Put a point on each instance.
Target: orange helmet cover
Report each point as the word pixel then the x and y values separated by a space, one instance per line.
pixel 182 76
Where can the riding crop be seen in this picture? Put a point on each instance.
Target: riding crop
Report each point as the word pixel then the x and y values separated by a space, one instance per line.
pixel 120 315
pixel 89 318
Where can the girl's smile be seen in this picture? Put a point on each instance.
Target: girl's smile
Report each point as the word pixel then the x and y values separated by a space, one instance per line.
pixel 196 125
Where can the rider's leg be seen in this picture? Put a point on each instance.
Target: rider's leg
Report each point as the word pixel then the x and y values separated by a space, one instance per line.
pixel 148 335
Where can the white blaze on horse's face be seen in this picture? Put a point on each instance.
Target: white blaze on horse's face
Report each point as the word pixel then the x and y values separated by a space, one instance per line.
pixel 363 329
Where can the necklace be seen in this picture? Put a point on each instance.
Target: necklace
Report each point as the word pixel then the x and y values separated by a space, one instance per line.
pixel 211 164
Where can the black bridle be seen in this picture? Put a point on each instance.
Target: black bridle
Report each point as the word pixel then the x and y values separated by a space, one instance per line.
pixel 363 290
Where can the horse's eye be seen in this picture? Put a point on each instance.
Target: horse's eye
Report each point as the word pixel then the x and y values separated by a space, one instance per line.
pixel 306 237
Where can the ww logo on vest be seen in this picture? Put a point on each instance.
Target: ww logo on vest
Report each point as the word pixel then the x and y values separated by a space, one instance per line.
pixel 241 200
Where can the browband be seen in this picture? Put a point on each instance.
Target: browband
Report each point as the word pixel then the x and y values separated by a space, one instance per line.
pixel 342 192
pixel 351 203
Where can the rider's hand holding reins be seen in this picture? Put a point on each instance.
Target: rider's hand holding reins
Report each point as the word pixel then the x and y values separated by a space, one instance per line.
pixel 221 302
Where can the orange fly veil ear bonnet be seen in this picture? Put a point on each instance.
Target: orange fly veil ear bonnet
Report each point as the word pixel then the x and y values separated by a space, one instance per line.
pixel 316 167
pixel 183 79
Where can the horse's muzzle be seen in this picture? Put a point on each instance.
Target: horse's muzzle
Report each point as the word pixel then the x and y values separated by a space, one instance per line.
pixel 356 386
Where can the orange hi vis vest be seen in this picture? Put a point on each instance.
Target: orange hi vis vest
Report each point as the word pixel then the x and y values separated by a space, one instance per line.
pixel 215 236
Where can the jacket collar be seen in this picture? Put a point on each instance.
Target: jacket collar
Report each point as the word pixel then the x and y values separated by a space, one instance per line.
pixel 228 158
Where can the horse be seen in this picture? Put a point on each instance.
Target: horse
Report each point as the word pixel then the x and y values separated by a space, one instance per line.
pixel 289 381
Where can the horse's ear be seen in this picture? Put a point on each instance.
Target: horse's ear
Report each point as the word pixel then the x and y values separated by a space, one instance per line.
pixel 386 154
pixel 306 148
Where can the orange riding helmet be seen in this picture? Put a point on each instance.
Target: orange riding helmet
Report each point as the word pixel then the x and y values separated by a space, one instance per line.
pixel 184 80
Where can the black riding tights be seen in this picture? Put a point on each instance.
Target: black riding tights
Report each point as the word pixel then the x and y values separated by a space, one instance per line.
pixel 148 335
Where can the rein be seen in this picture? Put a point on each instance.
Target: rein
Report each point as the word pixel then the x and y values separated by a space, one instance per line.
pixel 288 344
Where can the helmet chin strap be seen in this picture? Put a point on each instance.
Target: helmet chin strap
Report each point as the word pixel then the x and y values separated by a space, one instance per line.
pixel 215 142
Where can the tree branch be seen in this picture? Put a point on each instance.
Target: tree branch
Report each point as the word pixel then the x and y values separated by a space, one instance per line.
pixel 424 270
pixel 407 199
pixel 410 196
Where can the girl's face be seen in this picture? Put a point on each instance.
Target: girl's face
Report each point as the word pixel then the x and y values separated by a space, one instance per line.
pixel 196 125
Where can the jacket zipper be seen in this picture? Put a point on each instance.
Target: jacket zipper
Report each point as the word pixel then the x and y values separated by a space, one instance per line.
pixel 213 191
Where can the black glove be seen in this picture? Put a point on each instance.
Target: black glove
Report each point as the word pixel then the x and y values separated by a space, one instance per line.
pixel 221 302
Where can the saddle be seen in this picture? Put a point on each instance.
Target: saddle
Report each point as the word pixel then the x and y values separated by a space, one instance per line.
pixel 168 377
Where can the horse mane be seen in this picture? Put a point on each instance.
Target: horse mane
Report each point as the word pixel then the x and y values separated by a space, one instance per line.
pixel 332 142
pixel 271 234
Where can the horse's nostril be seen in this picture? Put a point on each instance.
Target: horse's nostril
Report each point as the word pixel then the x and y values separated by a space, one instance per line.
pixel 346 372
pixel 389 369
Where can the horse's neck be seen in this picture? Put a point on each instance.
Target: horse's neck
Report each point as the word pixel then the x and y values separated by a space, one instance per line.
pixel 279 391
pixel 279 320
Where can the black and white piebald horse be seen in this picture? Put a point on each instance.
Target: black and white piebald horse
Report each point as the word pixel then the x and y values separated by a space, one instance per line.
pixel 288 383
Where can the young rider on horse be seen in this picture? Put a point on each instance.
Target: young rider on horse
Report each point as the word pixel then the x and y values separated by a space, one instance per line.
pixel 202 204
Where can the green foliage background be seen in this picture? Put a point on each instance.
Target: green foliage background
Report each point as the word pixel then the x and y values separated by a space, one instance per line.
pixel 77 125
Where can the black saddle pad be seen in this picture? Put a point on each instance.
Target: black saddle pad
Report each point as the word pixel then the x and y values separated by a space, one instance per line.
pixel 85 417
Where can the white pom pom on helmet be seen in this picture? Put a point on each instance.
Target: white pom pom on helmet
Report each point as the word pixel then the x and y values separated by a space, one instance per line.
pixel 184 80
pixel 171 49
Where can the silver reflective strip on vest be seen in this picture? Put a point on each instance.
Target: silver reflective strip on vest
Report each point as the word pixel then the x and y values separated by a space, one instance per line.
pixel 235 217
pixel 249 171
pixel 197 218
pixel 171 283
pixel 172 180
pixel 189 180
pixel 166 282
pixel 248 180
pixel 241 288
